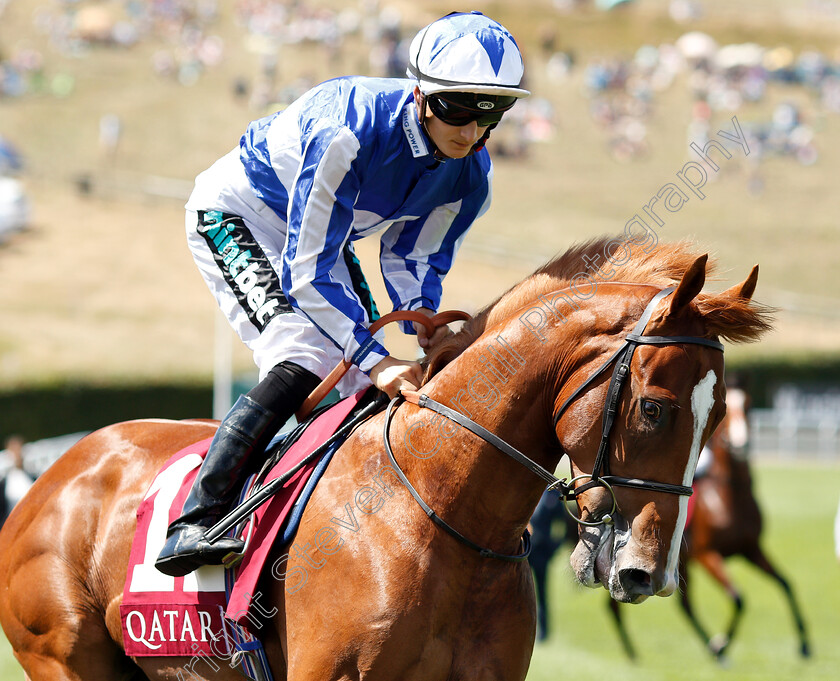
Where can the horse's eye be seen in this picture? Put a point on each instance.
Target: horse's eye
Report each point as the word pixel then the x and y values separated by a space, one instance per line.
pixel 651 409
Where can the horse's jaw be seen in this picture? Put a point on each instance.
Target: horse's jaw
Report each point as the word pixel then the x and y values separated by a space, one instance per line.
pixel 606 556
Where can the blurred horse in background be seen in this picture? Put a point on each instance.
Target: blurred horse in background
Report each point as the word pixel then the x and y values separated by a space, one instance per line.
pixel 726 521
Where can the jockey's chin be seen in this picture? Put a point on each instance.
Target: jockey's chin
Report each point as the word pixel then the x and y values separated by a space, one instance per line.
pixel 454 141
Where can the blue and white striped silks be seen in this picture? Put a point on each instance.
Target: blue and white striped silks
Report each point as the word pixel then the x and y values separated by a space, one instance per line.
pixel 346 160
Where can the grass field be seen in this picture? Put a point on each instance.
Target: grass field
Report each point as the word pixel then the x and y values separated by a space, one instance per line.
pixel 799 504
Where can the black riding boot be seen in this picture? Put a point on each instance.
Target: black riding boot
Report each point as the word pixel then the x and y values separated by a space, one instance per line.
pixel 247 426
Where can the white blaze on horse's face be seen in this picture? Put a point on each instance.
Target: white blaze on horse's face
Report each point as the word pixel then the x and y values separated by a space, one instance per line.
pixel 702 401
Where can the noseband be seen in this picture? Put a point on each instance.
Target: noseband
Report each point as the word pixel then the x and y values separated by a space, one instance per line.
pixel 600 476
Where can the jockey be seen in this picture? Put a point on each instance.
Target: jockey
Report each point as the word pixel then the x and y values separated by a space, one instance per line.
pixel 271 225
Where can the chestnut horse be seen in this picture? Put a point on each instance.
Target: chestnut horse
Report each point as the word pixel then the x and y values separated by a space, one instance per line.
pixel 726 522
pixel 397 597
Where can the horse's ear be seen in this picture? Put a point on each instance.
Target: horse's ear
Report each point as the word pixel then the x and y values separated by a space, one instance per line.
pixel 691 284
pixel 746 288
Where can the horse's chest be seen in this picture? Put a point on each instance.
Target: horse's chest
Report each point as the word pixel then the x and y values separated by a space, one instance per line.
pixel 448 660
pixel 474 640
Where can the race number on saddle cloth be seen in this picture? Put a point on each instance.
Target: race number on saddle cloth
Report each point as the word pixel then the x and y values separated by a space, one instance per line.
pixel 191 615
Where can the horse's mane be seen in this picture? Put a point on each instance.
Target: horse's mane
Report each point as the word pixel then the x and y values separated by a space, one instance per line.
pixel 730 317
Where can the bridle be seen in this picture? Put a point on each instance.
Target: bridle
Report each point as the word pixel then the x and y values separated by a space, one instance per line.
pixel 567 490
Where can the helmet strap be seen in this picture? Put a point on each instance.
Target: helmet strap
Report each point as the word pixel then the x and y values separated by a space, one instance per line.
pixel 478 146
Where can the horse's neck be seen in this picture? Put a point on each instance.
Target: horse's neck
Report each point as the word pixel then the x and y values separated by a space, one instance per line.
pixel 740 473
pixel 473 485
pixel 721 456
pixel 507 381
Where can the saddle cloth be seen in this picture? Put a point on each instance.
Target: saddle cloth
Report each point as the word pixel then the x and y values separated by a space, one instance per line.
pixel 190 615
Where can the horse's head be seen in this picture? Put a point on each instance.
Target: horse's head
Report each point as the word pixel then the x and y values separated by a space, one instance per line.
pixel 670 402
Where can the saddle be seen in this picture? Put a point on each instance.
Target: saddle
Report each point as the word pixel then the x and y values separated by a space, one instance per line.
pixel 214 611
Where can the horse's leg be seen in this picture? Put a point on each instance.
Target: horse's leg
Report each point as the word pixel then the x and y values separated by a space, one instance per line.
pixel 55 630
pixel 55 670
pixel 685 603
pixel 626 643
pixel 713 562
pixel 756 557
pixel 86 663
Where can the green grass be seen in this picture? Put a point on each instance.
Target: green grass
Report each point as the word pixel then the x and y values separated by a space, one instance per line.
pixel 9 668
pixel 799 502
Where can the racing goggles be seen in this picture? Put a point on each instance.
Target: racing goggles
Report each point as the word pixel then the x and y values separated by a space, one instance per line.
pixel 462 108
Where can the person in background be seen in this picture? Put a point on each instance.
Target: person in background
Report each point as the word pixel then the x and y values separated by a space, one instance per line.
pixel 16 481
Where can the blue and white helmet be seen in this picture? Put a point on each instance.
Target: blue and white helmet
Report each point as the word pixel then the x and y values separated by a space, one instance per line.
pixel 466 52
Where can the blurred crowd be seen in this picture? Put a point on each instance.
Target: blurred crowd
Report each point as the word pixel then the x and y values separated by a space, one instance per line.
pixel 186 47
pixel 719 79
pixel 72 28
pixel 622 91
pixel 185 31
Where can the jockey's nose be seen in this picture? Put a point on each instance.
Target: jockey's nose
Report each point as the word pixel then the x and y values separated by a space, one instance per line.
pixel 469 131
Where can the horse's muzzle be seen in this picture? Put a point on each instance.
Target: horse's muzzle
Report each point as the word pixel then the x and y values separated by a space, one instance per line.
pixel 608 556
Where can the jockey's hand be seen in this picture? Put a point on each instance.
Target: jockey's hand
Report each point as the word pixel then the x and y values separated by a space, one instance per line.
pixel 392 375
pixel 423 339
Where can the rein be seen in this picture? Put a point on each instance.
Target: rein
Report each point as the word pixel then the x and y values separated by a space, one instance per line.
pixel 431 323
pixel 434 517
pixel 568 490
pixel 250 505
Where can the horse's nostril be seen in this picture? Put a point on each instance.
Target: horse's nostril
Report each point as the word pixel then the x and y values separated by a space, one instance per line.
pixel 635 581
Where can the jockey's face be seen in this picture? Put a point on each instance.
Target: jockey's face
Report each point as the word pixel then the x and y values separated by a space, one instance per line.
pixel 454 141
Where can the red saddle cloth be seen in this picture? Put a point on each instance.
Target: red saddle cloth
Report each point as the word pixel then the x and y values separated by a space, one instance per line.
pixel 185 616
